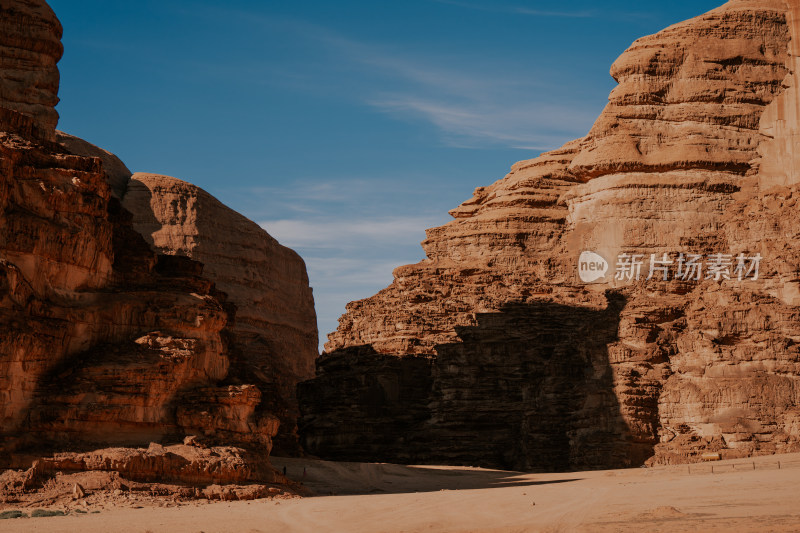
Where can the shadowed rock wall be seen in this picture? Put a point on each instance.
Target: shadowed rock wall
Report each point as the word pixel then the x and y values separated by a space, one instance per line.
pixel 529 387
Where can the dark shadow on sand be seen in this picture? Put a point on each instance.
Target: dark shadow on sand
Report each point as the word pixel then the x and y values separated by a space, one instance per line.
pixel 341 478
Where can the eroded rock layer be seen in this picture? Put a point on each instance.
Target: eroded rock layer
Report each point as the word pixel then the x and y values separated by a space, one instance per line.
pixel 98 333
pixel 534 368
pixel 30 47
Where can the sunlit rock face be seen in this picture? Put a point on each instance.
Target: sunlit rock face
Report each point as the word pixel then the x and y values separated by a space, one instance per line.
pixel 30 47
pixel 107 337
pixel 274 336
pixel 694 154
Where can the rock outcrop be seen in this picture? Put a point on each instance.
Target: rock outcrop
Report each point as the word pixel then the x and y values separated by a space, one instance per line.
pixel 104 340
pixel 533 368
pixel 274 337
pixel 99 334
pixel 30 47
pixel 125 477
pixel 118 174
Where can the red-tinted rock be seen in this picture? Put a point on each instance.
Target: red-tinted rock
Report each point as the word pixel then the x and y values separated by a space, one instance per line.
pixel 694 153
pixel 102 339
pixel 274 336
pixel 30 47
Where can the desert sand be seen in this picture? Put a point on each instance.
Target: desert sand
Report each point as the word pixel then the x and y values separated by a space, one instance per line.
pixel 753 495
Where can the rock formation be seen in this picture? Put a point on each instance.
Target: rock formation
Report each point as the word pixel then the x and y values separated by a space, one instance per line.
pixel 103 339
pixel 530 367
pixel 274 336
pixel 126 477
pixel 118 174
pixel 30 47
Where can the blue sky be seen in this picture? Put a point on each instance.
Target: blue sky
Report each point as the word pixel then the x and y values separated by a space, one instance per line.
pixel 345 128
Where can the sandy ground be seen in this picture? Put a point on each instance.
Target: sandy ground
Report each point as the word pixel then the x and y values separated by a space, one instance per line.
pixel 738 496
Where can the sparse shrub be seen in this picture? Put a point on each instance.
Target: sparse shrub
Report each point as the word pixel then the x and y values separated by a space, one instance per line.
pixel 12 514
pixel 43 513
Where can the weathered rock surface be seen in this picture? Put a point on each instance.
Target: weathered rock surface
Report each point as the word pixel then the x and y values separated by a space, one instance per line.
pixel 274 337
pixel 129 476
pixel 98 333
pixel 532 368
pixel 177 463
pixel 118 174
pixel 104 341
pixel 30 47
pixel 384 397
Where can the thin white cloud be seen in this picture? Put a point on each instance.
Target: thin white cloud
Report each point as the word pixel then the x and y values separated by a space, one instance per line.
pixel 312 192
pixel 559 14
pixel 473 105
pixel 516 9
pixel 353 273
pixel 351 258
pixel 311 200
pixel 346 232
pixel 499 8
pixel 469 125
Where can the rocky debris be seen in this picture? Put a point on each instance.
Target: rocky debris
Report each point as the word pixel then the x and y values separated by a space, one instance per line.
pixel 78 492
pixel 192 440
pixel 694 153
pixel 157 475
pixel 157 463
pixel 274 336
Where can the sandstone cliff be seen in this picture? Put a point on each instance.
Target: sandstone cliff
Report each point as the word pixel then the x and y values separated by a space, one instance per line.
pixel 529 367
pixel 30 47
pixel 274 337
pixel 105 340
pixel 99 334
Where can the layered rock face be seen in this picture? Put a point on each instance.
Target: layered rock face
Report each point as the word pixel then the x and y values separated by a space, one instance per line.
pixel 30 47
pixel 360 392
pixel 274 336
pixel 118 174
pixel 98 334
pixel 534 368
pixel 103 340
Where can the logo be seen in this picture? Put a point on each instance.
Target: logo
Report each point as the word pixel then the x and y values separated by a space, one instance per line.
pixel 591 267
pixel 681 266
